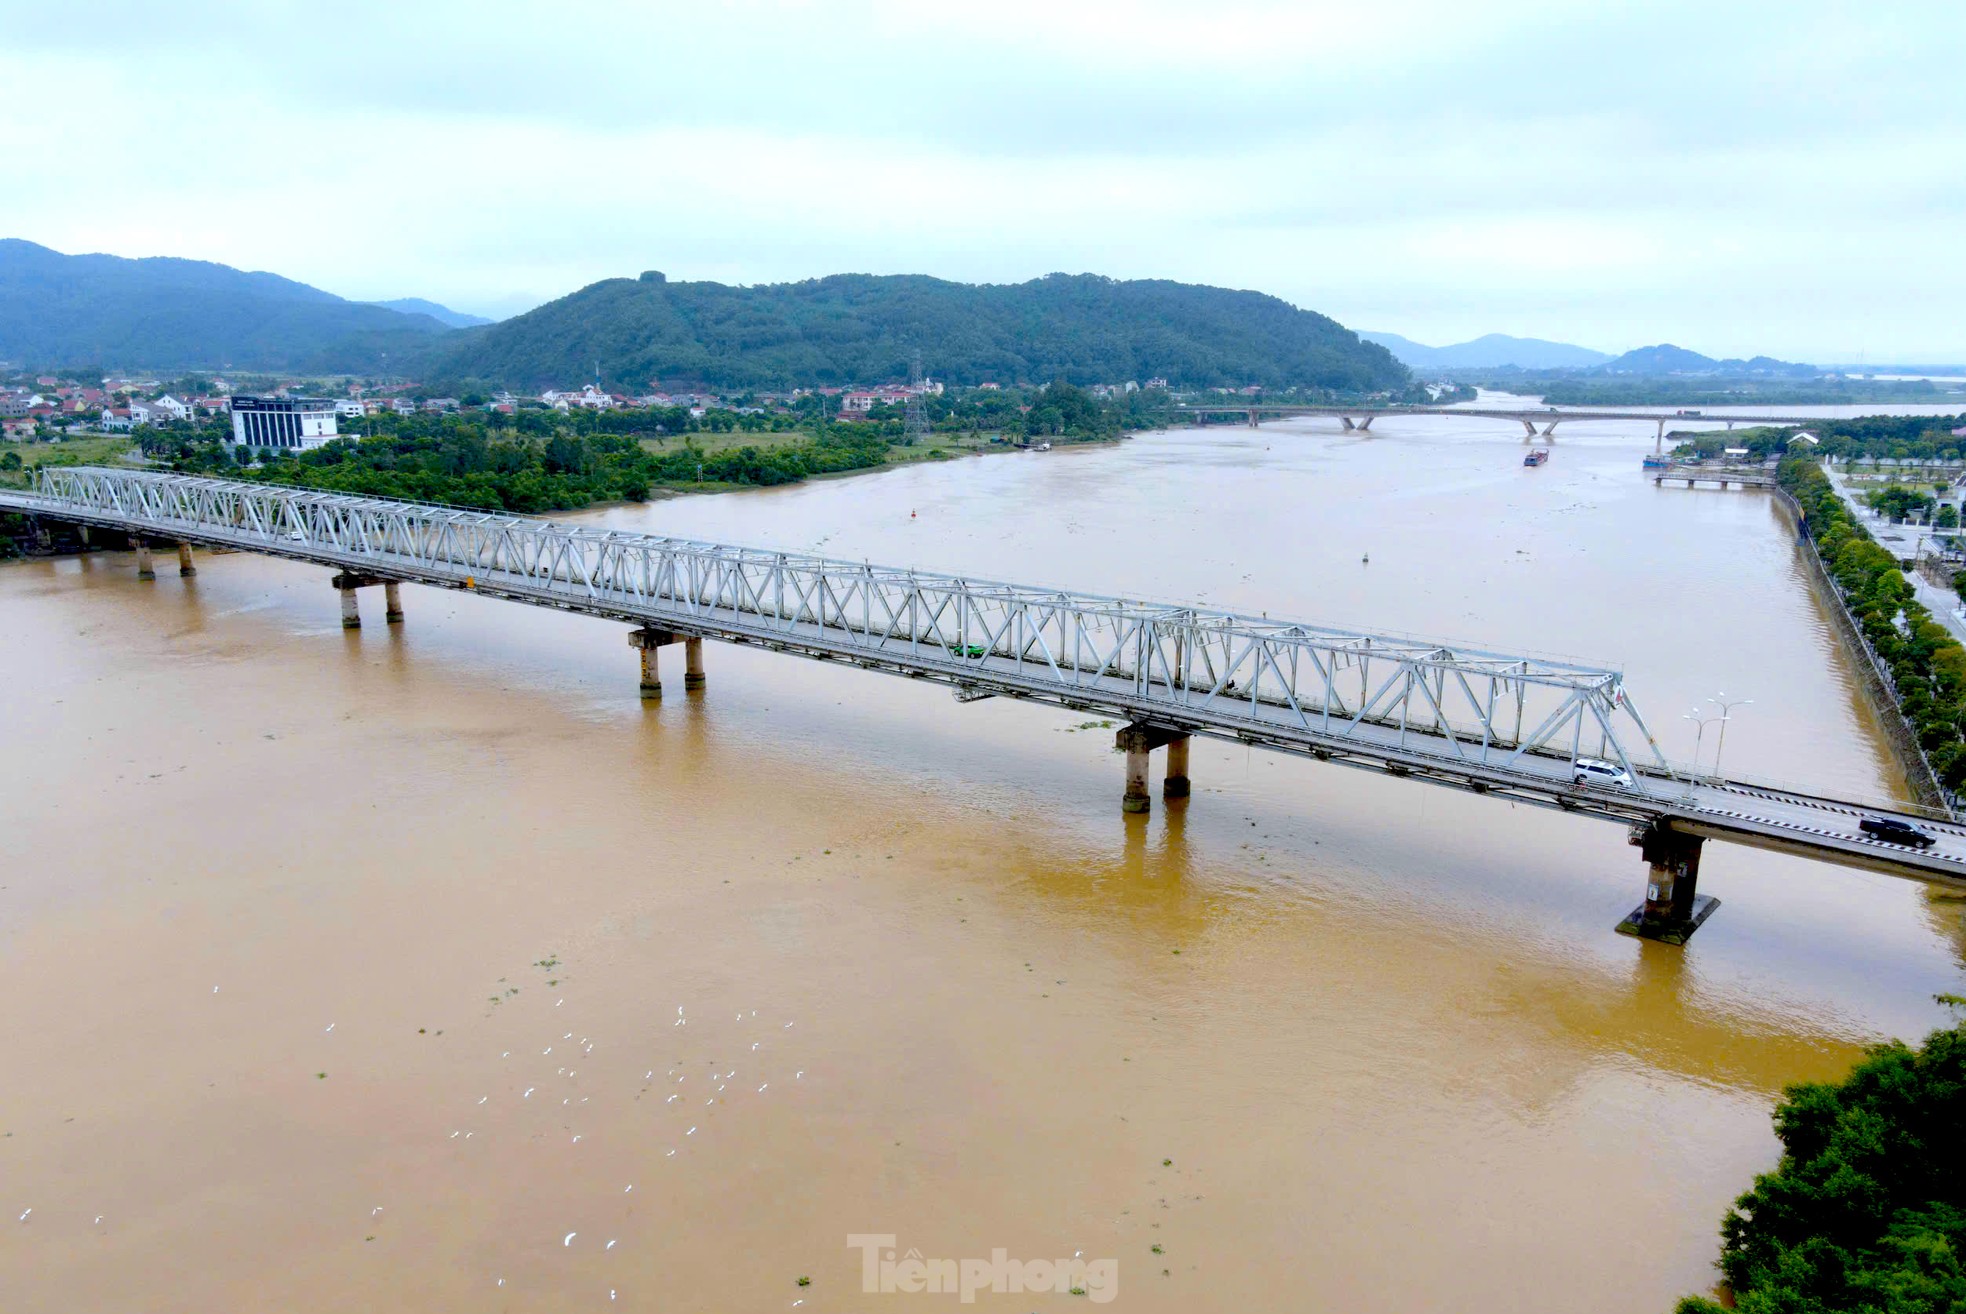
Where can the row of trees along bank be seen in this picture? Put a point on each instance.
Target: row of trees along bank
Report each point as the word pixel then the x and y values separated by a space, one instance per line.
pixel 1927 665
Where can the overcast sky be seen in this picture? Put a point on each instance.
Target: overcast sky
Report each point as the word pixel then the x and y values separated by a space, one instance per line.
pixel 1736 178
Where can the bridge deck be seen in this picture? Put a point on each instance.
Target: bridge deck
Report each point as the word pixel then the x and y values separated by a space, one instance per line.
pixel 1490 723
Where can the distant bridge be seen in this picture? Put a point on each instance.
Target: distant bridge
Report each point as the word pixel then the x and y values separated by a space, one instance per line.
pixel 1508 726
pixel 1361 417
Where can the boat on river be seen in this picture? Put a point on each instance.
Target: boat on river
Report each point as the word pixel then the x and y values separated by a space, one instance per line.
pixel 1537 457
pixel 1656 463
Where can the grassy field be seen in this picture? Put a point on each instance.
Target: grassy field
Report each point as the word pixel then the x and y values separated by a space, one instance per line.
pixel 73 451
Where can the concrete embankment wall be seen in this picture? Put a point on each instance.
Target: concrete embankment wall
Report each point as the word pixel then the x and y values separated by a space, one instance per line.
pixel 1879 687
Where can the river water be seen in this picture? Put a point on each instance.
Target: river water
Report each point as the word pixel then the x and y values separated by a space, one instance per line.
pixel 374 969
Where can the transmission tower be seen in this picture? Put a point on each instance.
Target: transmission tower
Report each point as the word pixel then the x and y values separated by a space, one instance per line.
pixel 916 427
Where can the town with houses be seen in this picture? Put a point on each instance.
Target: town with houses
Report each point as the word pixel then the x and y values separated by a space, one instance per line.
pixel 51 407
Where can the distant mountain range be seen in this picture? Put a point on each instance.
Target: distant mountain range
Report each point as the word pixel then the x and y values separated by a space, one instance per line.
pixel 1666 359
pixel 1499 351
pixel 1490 351
pixel 162 313
pixel 165 313
pixel 442 314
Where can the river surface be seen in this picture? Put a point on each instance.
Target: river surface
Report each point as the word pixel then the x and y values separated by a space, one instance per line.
pixel 425 967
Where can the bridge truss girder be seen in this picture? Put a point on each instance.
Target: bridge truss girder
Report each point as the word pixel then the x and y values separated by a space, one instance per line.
pixel 1194 668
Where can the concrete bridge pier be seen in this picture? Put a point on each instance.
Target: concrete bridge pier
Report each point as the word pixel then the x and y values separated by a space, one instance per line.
pixel 651 642
pixel 1673 908
pixel 1365 425
pixel 184 566
pixel 1659 439
pixel 1137 741
pixel 693 678
pixel 1346 420
pixel 392 602
pixel 1528 429
pixel 145 570
pixel 1549 430
pixel 1176 784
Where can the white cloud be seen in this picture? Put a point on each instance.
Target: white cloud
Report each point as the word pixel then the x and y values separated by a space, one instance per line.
pixel 1722 176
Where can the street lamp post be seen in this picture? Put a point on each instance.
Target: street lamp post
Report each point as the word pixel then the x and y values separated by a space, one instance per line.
pixel 1727 707
pixel 1700 737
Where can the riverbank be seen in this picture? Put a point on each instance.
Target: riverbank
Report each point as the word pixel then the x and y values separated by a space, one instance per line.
pixel 1914 666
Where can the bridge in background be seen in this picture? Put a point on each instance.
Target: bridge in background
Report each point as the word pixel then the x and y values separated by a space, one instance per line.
pixel 1361 417
pixel 1504 725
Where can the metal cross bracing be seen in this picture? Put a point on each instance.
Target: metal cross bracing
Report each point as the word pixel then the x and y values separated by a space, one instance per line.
pixel 1504 725
pixel 1189 667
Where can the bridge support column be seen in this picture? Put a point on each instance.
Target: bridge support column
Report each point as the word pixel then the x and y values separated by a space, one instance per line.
pixel 1365 425
pixel 145 570
pixel 693 678
pixel 1673 908
pixel 1549 430
pixel 392 604
pixel 1176 784
pixel 650 643
pixel 1346 420
pixel 1529 428
pixel 1659 440
pixel 351 614
pixel 1137 741
pixel 184 566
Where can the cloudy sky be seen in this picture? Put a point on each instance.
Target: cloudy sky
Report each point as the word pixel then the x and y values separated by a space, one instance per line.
pixel 1734 177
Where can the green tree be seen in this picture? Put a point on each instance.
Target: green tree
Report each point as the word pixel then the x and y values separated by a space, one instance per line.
pixel 1867 1209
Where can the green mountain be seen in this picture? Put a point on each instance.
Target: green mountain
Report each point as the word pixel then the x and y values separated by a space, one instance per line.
pixel 164 313
pixel 860 328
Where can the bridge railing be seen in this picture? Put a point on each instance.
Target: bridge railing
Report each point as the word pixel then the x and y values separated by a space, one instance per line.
pixel 1182 663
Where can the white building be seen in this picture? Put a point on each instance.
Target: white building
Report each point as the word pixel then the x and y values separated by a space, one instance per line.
pixel 289 422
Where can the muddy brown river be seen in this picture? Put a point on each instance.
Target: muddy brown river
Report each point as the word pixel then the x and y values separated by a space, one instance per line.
pixel 424 967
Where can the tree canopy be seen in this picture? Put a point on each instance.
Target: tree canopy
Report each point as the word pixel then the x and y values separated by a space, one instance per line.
pixel 858 328
pixel 1867 1209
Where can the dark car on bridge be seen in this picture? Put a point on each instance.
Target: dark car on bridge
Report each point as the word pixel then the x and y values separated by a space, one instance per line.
pixel 1893 831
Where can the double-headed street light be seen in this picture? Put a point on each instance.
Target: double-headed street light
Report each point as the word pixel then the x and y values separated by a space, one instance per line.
pixel 1703 721
pixel 1727 706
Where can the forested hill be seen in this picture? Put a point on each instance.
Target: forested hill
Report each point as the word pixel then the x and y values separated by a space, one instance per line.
pixel 61 310
pixel 859 328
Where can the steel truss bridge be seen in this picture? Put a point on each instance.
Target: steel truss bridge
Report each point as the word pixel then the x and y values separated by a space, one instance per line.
pixel 1361 417
pixel 1498 724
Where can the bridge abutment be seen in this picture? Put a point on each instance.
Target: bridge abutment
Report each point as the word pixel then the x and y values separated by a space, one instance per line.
pixel 184 566
pixel 1673 908
pixel 1138 742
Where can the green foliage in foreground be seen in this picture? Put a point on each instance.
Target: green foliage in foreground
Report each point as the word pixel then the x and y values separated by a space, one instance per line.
pixel 1927 664
pixel 1867 1209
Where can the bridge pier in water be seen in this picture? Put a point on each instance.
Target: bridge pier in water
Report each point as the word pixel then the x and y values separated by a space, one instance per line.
pixel 351 614
pixel 145 570
pixel 184 566
pixel 1673 908
pixel 650 642
pixel 693 678
pixel 1138 742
